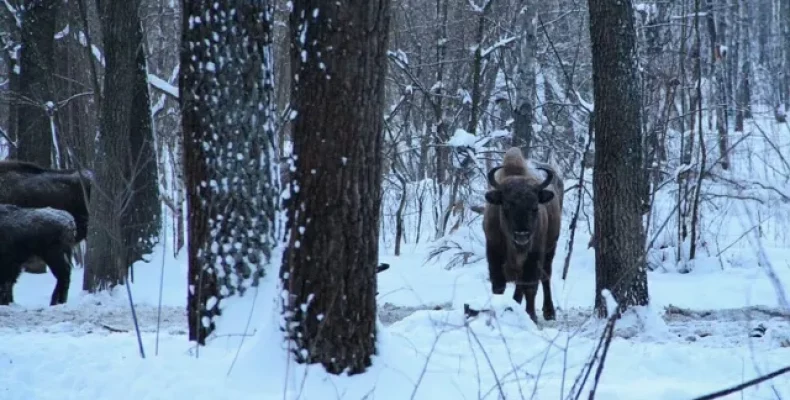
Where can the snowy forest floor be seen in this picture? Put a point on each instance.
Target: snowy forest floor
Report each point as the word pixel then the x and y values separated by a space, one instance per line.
pixel 697 335
pixel 704 343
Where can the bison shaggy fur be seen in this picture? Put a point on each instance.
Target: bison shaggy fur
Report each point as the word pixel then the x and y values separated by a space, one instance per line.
pixel 521 222
pixel 46 233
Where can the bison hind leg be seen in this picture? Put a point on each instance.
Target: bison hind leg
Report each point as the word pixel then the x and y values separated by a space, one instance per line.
pixel 60 264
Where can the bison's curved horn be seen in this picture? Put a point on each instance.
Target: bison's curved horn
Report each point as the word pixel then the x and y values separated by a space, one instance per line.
pixel 492 176
pixel 549 178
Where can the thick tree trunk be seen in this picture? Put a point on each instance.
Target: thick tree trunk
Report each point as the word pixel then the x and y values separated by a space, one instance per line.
pixel 106 259
pixel 35 90
pixel 226 102
pixel 142 216
pixel 329 269
pixel 619 252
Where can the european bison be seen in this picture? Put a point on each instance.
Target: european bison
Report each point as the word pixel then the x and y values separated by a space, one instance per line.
pixel 26 184
pixel 522 221
pixel 29 185
pixel 46 233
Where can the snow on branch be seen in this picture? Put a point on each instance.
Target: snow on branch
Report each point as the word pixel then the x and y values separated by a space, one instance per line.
pixel 497 45
pixel 13 12
pixel 162 85
pixel 481 8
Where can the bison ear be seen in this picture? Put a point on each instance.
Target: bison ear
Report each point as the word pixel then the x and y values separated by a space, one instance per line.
pixel 494 197
pixel 545 196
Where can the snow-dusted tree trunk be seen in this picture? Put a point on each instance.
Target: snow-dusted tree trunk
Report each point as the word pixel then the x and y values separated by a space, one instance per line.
pixel 617 181
pixel 329 268
pixel 526 94
pixel 229 151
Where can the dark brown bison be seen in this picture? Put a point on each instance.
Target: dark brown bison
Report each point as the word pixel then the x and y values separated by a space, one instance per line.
pixel 46 233
pixel 521 221
pixel 26 184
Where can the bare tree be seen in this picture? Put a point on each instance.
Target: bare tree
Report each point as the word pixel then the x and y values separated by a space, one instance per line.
pixel 329 268
pixel 619 252
pixel 226 96
pixel 526 90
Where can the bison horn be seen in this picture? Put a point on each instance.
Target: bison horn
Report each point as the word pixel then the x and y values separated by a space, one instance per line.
pixel 492 176
pixel 549 178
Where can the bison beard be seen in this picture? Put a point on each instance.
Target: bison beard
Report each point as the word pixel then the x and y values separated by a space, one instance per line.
pixel 521 222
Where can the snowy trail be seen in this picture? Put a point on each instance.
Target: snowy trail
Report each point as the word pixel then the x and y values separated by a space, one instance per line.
pixel 89 318
pixel 721 328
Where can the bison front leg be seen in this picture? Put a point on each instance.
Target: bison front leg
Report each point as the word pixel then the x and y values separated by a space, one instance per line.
pixel 496 275
pixel 529 282
pixel 545 279
pixel 6 293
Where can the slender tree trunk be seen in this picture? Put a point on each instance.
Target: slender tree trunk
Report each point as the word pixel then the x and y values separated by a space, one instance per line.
pixel 477 71
pixel 526 89
pixel 785 49
pixel 716 74
pixel 329 268
pixel 619 253
pixel 764 30
pixel 229 151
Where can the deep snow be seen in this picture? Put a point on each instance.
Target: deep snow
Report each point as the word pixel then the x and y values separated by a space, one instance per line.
pixel 696 336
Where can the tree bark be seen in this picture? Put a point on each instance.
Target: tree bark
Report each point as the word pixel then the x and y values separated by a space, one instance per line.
pixel 229 151
pixel 106 259
pixel 35 89
pixel 142 216
pixel 329 268
pixel 785 49
pixel 619 252
pixel 526 89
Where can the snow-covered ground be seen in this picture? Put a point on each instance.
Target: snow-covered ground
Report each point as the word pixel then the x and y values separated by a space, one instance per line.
pixel 88 349
pixel 695 338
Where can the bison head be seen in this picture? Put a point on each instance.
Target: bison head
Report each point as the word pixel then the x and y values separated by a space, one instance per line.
pixel 519 200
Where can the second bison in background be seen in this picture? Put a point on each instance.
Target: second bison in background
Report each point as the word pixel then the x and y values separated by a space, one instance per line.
pixel 46 233
pixel 521 222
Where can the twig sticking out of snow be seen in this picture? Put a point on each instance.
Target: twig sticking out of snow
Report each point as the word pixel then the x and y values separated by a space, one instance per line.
pixel 745 385
pixel 603 342
pixel 116 330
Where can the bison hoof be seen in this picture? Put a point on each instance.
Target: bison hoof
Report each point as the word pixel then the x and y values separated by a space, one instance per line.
pixel 508 308
pixel 549 314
